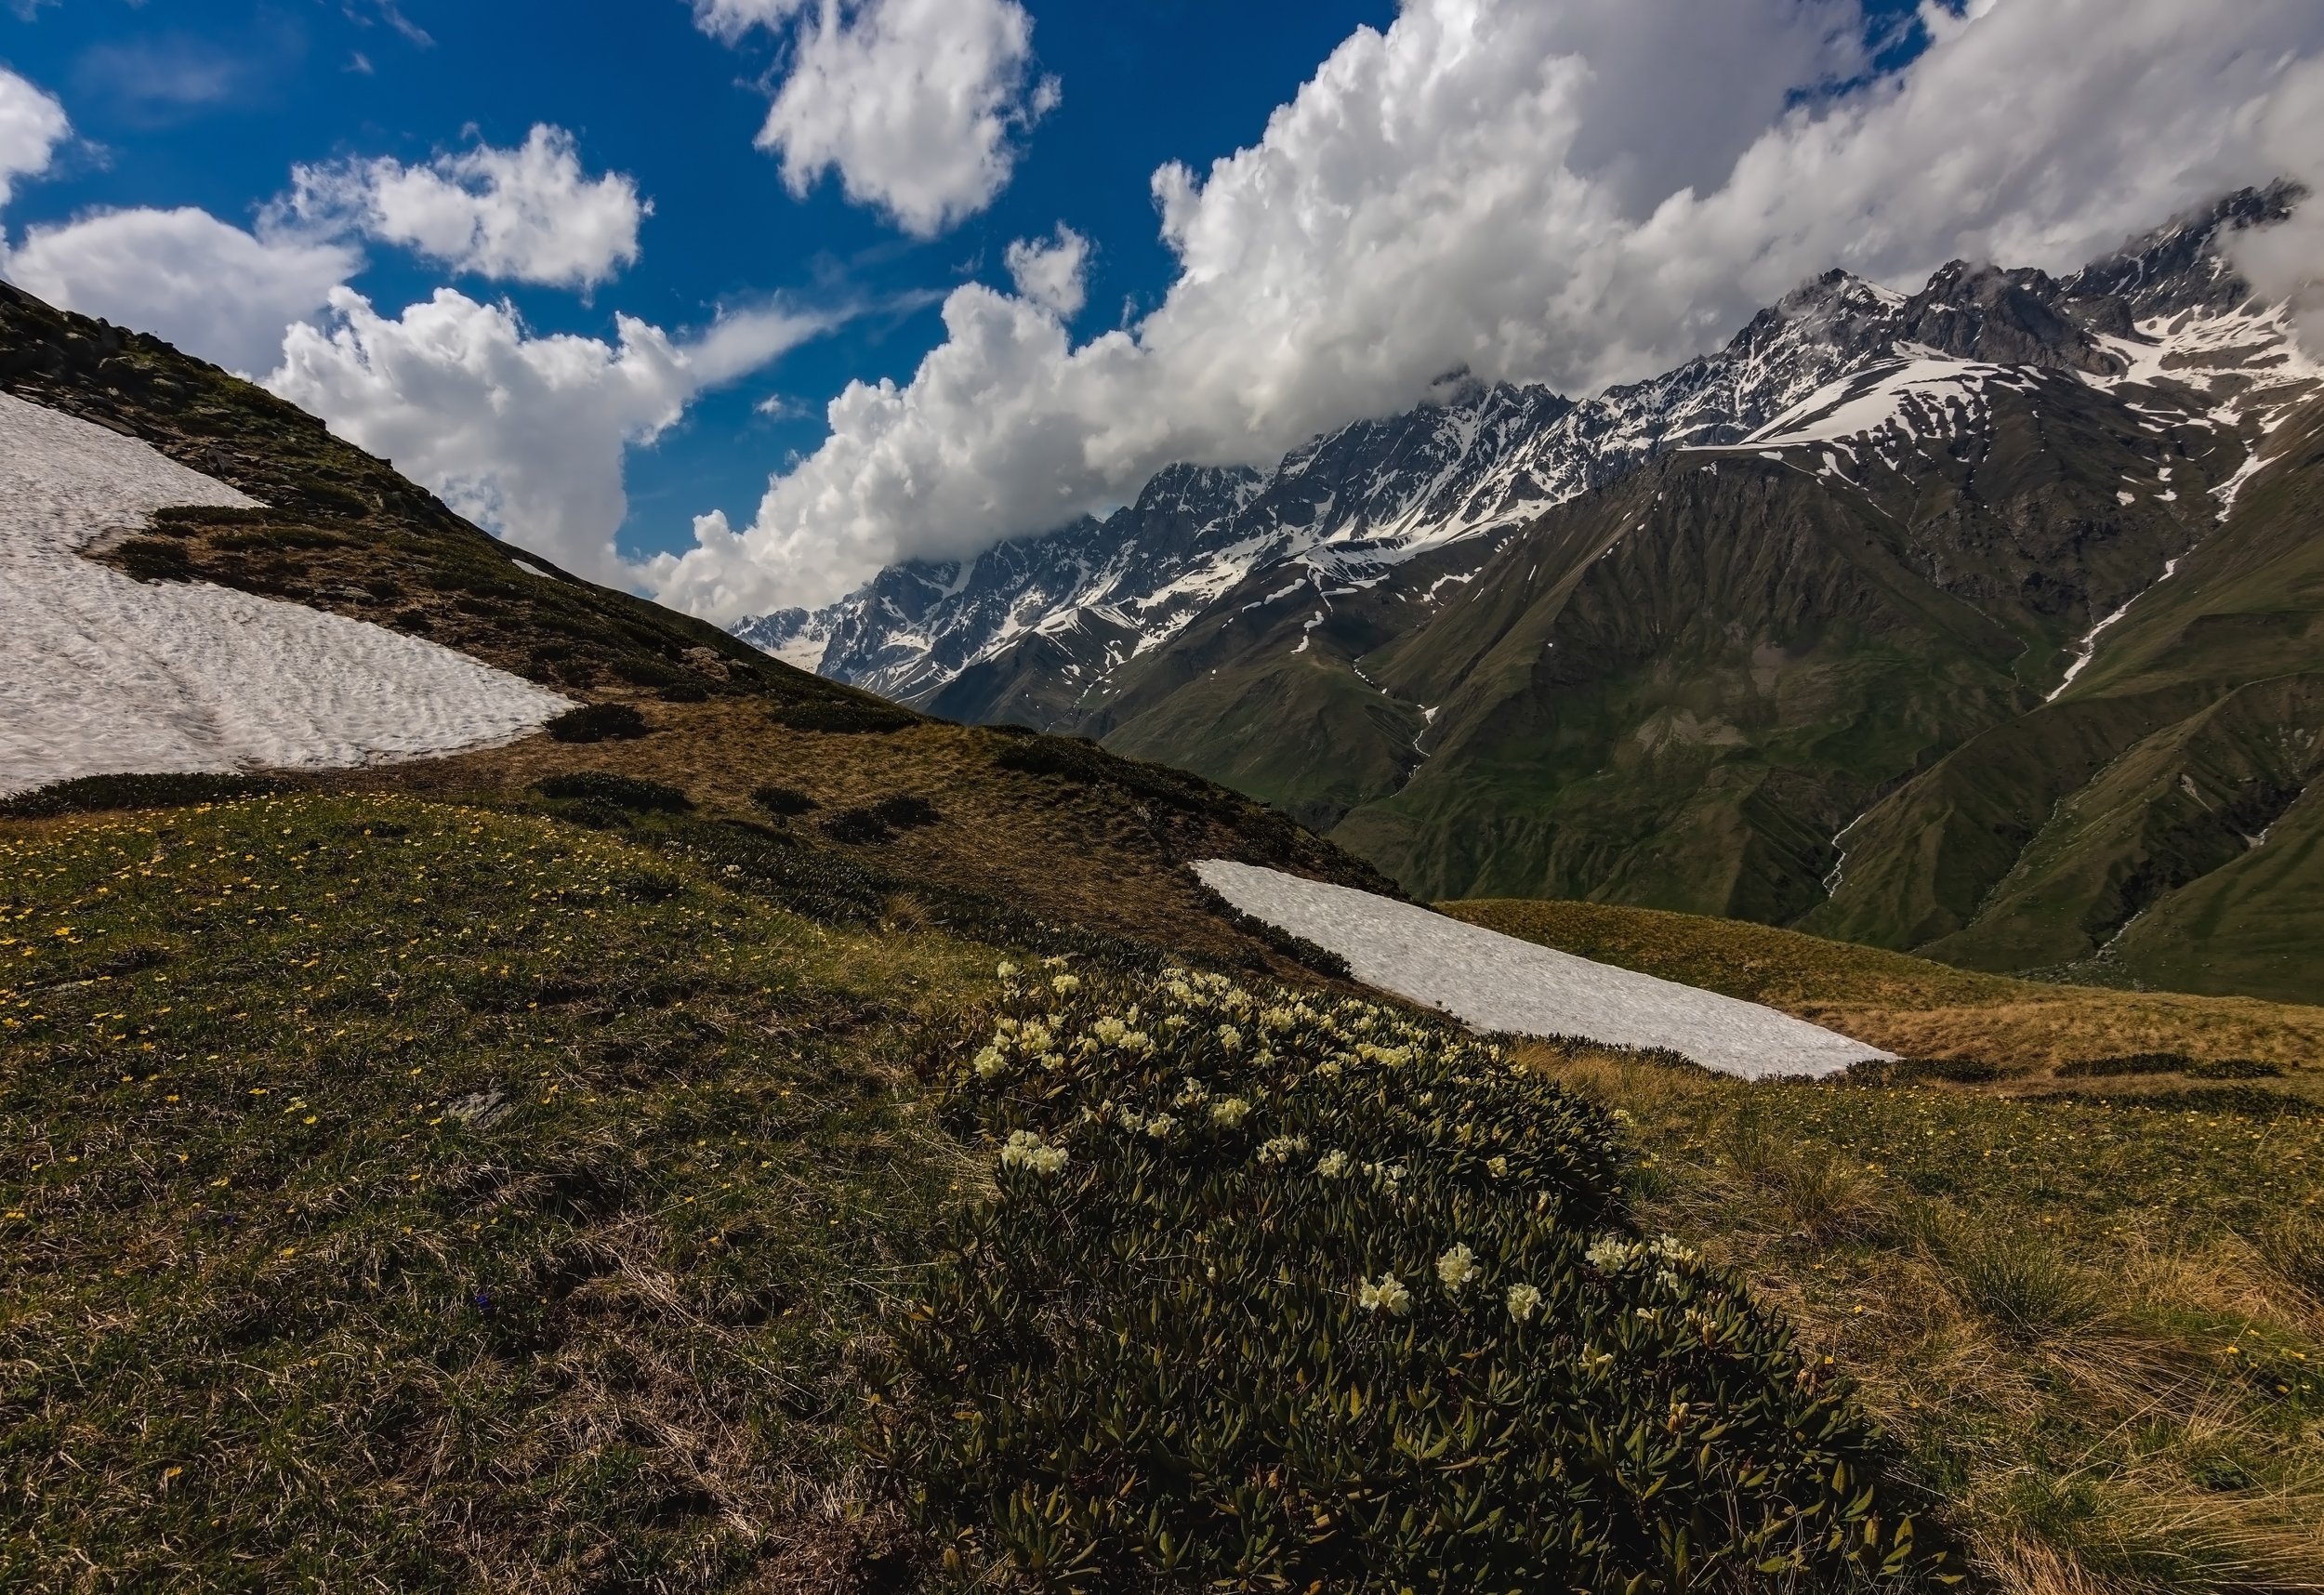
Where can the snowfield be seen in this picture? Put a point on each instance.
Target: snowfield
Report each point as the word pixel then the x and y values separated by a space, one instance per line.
pixel 100 675
pixel 1498 983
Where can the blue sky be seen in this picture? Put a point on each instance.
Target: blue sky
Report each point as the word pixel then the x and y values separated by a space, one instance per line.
pixel 1571 191
pixel 210 102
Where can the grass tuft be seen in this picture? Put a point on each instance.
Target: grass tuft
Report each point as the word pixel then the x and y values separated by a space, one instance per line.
pixel 2024 1289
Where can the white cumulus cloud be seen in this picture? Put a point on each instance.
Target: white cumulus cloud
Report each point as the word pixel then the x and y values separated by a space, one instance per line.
pixel 918 105
pixel 522 433
pixel 1572 191
pixel 730 20
pixel 32 124
pixel 212 288
pixel 1052 272
pixel 2287 261
pixel 527 215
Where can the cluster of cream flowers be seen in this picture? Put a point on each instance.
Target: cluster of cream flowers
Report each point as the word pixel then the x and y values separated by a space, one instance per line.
pixel 1332 1039
pixel 1027 1150
pixel 1612 1254
pixel 1456 1269
pixel 1280 1151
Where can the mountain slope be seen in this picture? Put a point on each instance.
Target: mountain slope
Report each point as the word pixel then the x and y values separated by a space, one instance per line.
pixel 2156 819
pixel 1831 628
pixel 1028 840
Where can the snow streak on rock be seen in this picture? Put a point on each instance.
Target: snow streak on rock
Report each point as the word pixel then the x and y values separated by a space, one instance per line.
pixel 1498 985
pixel 103 674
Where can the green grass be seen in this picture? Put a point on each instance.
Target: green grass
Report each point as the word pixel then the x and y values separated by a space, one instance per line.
pixel 414 1195
pixel 1919 1008
pixel 2095 1327
pixel 400 1195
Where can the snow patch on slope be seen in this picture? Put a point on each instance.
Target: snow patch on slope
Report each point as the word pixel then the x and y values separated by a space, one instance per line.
pixel 1500 984
pixel 1926 396
pixel 102 675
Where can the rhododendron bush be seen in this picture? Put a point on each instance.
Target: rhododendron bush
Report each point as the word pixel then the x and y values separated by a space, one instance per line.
pixel 1276 1292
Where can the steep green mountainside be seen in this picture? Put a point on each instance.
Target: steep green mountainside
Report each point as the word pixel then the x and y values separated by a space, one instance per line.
pixel 1675 695
pixel 1999 647
pixel 2160 820
pixel 1676 691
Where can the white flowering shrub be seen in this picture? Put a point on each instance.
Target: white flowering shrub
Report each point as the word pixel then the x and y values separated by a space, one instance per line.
pixel 1304 1292
pixel 1457 1270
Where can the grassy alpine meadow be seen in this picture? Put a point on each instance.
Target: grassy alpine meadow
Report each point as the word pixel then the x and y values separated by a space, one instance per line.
pixel 1307 1295
pixel 2094 1321
pixel 404 1196
pixel 1916 1007
pixel 2072 1258
pixel 569 1191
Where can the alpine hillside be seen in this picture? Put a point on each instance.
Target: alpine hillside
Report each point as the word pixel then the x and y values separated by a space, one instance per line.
pixel 1982 621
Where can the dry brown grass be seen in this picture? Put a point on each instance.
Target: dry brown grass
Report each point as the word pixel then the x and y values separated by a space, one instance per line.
pixel 1081 854
pixel 1911 1006
pixel 2085 1324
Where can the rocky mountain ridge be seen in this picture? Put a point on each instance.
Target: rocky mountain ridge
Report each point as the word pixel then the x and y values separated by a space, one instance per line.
pixel 1986 621
pixel 1066 612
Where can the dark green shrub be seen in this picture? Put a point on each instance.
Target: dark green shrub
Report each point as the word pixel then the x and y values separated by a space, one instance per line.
pixel 784 801
pixel 1082 762
pixel 333 502
pixel 640 671
pixel 906 813
pixel 2234 1068
pixel 2248 1101
pixel 155 560
pixel 101 794
pixel 858 828
pixel 619 791
pixel 2116 1068
pixel 192 515
pixel 598 816
pixel 743 856
pixel 598 722
pixel 1286 1295
pixel 844 717
pixel 1077 759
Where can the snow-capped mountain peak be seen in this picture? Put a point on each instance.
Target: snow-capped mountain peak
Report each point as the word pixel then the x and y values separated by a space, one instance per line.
pixel 1836 360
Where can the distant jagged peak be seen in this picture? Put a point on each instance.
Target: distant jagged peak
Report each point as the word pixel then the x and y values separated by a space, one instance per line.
pixel 1200 492
pixel 2183 264
pixel 1838 356
pixel 2001 317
